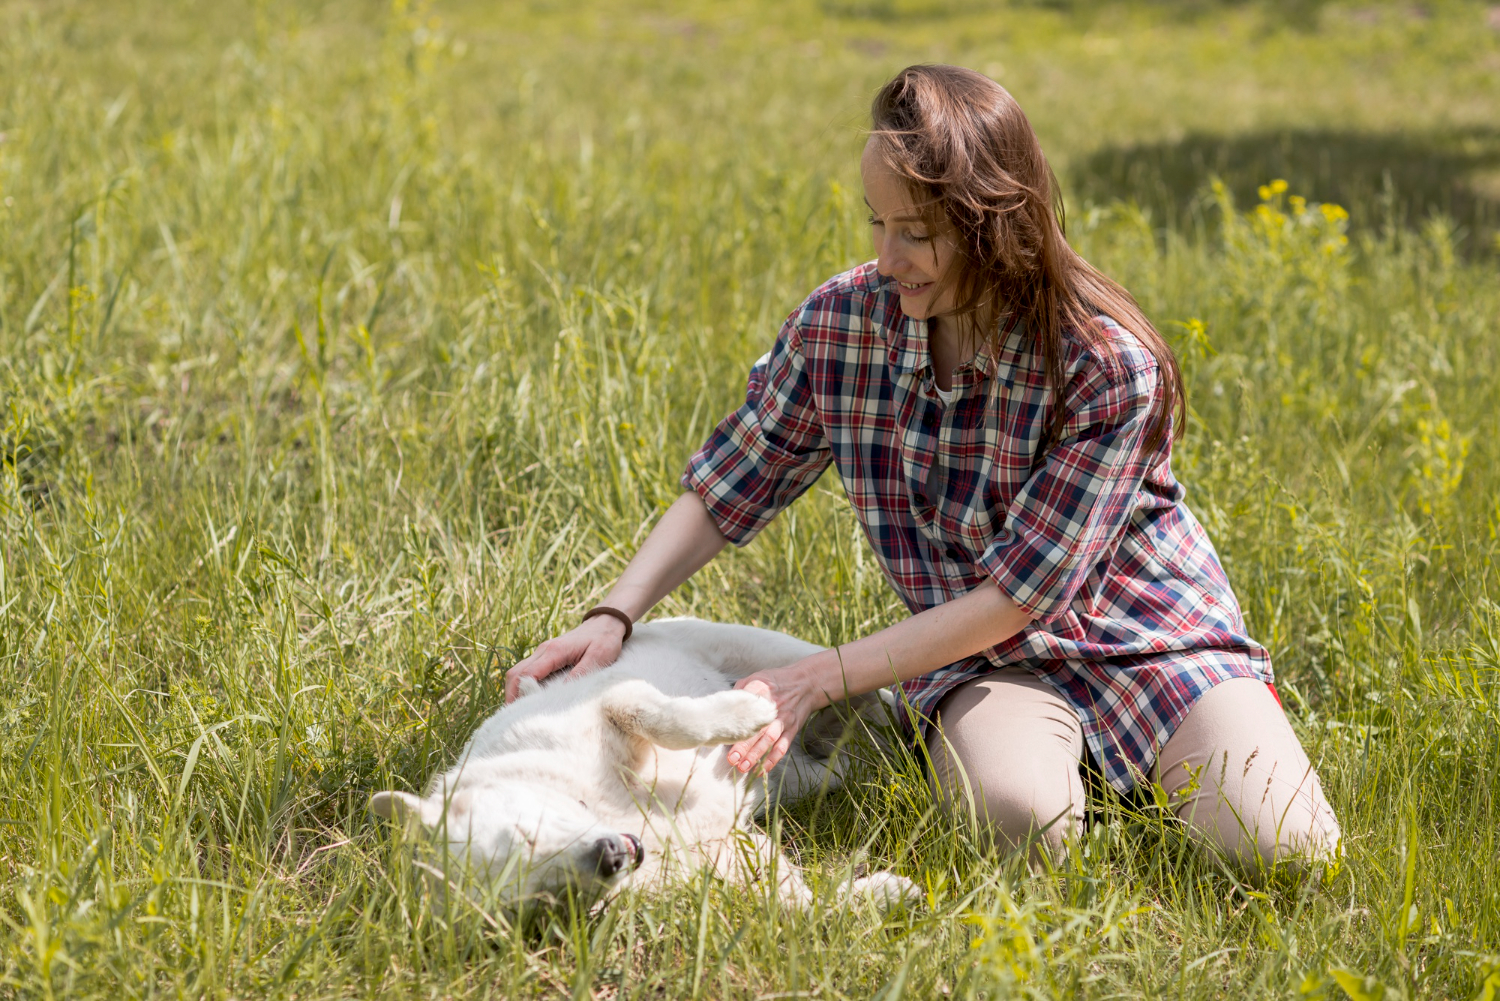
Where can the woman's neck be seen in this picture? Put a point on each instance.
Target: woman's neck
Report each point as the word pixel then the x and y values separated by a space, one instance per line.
pixel 949 344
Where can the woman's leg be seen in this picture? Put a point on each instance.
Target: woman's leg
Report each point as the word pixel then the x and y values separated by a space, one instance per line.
pixel 1237 775
pixel 1010 745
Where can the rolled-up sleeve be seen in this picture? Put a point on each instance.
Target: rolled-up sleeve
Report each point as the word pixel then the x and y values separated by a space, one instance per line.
pixel 1071 514
pixel 764 455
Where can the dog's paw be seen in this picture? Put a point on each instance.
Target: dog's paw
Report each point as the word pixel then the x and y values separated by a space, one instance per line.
pixel 738 715
pixel 884 889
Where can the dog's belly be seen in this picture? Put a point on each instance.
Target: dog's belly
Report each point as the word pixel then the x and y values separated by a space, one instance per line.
pixel 685 806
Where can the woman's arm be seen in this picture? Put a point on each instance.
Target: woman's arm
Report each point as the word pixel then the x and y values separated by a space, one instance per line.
pixel 683 541
pixel 928 640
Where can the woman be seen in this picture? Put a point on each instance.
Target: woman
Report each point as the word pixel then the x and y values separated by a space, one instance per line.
pixel 1001 415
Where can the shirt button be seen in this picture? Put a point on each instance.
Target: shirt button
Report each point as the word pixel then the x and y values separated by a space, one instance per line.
pixel 930 419
pixel 921 500
pixel 954 554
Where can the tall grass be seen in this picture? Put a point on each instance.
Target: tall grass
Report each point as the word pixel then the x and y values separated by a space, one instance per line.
pixel 348 352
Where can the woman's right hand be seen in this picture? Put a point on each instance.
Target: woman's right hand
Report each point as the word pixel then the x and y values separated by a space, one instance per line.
pixel 587 647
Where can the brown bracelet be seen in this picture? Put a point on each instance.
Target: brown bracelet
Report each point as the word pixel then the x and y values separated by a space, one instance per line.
pixel 613 613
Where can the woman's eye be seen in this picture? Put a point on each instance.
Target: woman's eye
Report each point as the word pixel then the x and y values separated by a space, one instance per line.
pixel 874 222
pixel 915 238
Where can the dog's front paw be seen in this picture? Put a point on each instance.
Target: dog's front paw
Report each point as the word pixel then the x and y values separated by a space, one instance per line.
pixel 740 715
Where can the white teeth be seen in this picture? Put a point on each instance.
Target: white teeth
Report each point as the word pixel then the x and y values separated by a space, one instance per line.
pixel 910 285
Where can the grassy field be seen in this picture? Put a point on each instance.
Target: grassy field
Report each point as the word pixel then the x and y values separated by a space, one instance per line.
pixel 347 350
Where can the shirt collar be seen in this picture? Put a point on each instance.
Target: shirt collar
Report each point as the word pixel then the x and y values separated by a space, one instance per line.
pixel 905 338
pixel 906 341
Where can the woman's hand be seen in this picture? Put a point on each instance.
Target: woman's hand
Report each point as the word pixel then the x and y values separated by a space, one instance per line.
pixel 796 697
pixel 587 647
pixel 940 635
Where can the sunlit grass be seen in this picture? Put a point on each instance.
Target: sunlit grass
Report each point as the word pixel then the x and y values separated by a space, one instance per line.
pixel 348 352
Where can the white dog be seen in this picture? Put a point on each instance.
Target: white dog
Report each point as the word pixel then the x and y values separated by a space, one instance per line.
pixel 621 775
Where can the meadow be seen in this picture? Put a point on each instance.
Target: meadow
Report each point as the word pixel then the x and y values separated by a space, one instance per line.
pixel 347 349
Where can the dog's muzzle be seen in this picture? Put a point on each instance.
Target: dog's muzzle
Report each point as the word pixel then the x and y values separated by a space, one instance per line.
pixel 614 853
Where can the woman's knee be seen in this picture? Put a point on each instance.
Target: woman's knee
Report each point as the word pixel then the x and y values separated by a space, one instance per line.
pixel 1239 778
pixel 1241 805
pixel 1043 808
pixel 1009 752
pixel 1014 804
pixel 1307 831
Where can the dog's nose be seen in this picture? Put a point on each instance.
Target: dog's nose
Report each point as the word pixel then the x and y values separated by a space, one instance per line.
pixel 615 853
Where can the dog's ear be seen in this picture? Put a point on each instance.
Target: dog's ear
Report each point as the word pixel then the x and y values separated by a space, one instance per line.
pixel 402 806
pixel 527 686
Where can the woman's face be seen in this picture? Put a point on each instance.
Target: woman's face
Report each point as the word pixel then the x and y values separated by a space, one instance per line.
pixel 906 248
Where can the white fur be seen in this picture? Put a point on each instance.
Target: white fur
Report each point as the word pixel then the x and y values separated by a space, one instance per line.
pixel 574 768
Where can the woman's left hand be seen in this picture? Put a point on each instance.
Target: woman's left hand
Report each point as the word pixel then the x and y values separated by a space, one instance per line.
pixel 796 698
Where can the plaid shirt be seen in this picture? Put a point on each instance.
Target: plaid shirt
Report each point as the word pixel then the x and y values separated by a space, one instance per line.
pixel 1134 618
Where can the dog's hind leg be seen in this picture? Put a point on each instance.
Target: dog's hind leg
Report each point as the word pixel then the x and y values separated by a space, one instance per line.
pixel 798 775
pixel 640 710
pixel 860 717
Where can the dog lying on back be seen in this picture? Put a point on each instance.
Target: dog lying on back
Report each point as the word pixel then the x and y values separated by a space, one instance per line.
pixel 620 775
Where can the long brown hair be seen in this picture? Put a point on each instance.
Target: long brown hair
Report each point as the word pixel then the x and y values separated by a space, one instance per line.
pixel 965 149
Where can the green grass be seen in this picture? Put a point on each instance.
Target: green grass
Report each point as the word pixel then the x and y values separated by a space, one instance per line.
pixel 347 352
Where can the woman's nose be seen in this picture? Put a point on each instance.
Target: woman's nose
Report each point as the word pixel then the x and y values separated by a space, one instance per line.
pixel 887 257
